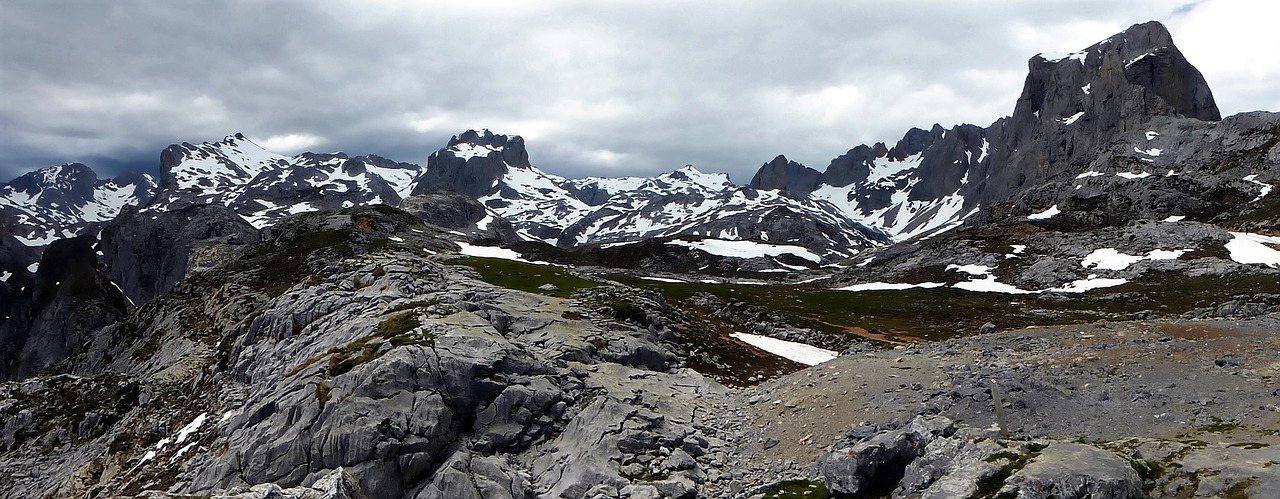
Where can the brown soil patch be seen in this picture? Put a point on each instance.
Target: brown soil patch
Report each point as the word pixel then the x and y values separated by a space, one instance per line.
pixel 898 339
pixel 1197 331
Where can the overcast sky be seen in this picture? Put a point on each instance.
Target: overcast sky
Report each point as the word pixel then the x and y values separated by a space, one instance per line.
pixel 596 88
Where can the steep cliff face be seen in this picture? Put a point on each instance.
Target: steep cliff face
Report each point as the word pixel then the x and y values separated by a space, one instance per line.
pixel 147 254
pixel 783 174
pixel 1072 104
pixel 472 163
pixel 1071 107
pixel 71 298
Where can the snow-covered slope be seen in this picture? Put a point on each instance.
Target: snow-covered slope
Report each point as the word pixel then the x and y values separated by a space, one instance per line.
pixel 573 212
pixel 59 201
pixel 263 186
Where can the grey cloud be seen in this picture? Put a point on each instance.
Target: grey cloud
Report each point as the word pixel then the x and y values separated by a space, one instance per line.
pixel 596 88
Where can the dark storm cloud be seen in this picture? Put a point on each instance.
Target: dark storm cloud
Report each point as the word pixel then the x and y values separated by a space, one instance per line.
pixel 595 88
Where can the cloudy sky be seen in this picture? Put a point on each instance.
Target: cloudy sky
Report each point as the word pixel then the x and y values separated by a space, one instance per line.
pixel 596 88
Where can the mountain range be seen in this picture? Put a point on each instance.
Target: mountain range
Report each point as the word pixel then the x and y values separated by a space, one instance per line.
pixel 294 295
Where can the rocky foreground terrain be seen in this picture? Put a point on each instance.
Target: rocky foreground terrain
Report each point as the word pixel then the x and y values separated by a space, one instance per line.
pixel 393 369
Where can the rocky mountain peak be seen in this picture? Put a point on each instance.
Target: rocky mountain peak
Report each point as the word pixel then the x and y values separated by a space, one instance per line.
pixel 786 175
pixel 1141 67
pixel 1083 99
pixel 484 142
pixel 472 163
pixel 71 179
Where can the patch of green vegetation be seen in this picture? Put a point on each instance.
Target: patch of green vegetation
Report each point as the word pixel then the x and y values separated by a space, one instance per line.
pixel 397 324
pixel 149 348
pixel 527 277
pixel 1219 426
pixel 990 485
pixel 66 403
pixel 626 311
pixel 647 476
pixel 797 489
pixel 345 358
pixel 279 265
pixel 1148 471
pixel 941 313
pixel 1250 445
pixel 416 304
pixel 323 391
pixel 396 331
pixel 1239 490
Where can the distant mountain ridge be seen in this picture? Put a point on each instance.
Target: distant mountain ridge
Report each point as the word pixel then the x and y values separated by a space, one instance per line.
pixel 1072 107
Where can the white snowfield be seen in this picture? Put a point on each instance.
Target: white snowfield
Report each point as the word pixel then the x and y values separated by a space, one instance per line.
pixel 1111 259
pixel 1249 248
pixel 747 249
pixel 888 286
pixel 1046 214
pixel 799 352
pixel 494 252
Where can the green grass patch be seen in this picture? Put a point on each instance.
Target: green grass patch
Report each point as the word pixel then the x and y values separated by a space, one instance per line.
pixel 1219 426
pixel 1251 445
pixel 990 485
pixel 345 358
pixel 280 265
pixel 398 324
pixel 323 391
pixel 396 331
pixel 527 277
pixel 627 311
pixel 941 313
pixel 797 489
pixel 1239 490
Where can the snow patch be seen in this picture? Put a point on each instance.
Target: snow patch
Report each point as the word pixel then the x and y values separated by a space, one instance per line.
pixel 1152 134
pixel 1149 152
pixel 1174 218
pixel 1133 176
pixel 1089 174
pixel 1266 188
pixel 1071 119
pixel 191 427
pixel 799 352
pixel 1141 57
pixel 1093 282
pixel 662 279
pixel 971 269
pixel 990 285
pixel 1046 214
pixel 746 249
pixel 1249 248
pixel 468 150
pixel 1111 259
pixel 887 286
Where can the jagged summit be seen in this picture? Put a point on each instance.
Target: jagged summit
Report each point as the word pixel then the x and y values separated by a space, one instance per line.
pixel 786 175
pixel 58 201
pixel 1070 106
pixel 472 163
pixel 1146 57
